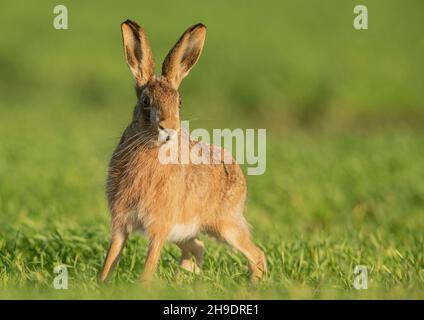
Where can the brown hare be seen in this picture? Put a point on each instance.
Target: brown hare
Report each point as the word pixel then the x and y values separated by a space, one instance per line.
pixel 170 202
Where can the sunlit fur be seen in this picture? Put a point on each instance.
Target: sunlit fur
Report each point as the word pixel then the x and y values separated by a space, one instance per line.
pixel 171 202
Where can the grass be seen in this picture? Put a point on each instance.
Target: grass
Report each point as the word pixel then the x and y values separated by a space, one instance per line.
pixel 324 206
pixel 343 112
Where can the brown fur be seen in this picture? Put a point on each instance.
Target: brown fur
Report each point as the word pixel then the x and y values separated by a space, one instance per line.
pixel 171 201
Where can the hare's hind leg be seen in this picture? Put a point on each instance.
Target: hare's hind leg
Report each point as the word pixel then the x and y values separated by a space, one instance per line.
pixel 119 237
pixel 191 248
pixel 237 235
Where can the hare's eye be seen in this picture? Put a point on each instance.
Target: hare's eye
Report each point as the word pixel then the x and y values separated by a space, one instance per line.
pixel 180 102
pixel 146 101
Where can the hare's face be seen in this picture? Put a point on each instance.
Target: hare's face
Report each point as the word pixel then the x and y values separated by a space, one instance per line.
pixel 158 111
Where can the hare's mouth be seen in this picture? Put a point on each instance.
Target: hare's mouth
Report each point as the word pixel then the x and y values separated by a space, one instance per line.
pixel 166 135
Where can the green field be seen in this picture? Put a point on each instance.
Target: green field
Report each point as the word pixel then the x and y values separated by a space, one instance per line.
pixel 344 113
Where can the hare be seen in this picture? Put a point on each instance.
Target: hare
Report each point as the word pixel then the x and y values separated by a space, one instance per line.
pixel 170 202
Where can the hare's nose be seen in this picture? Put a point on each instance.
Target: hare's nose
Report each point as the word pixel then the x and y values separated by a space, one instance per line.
pixel 165 134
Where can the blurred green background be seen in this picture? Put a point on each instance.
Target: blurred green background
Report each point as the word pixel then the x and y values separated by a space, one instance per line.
pixel 344 113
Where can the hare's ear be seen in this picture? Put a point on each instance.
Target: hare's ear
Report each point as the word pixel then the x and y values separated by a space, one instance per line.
pixel 138 52
pixel 184 55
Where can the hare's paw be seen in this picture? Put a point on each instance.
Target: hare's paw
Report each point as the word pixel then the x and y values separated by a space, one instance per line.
pixel 190 266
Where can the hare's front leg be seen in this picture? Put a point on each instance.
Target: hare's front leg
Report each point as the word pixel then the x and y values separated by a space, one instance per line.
pixel 119 237
pixel 189 248
pixel 156 243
